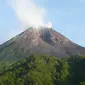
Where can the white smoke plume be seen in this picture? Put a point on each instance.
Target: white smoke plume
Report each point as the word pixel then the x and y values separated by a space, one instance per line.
pixel 28 12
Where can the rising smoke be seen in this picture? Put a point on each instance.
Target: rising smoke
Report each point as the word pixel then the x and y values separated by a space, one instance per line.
pixel 28 12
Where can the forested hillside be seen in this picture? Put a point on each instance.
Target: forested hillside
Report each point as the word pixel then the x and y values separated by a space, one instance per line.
pixel 44 70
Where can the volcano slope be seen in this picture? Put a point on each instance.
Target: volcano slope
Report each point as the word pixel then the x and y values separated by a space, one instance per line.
pixel 41 41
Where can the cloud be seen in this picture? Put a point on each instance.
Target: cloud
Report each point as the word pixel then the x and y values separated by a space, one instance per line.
pixel 28 12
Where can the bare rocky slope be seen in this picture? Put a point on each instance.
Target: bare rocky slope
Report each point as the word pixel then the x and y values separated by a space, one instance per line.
pixel 43 41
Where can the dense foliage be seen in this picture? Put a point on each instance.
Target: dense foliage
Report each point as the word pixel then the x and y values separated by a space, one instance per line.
pixel 44 70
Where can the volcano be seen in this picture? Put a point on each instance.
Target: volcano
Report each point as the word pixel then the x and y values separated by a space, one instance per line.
pixel 41 41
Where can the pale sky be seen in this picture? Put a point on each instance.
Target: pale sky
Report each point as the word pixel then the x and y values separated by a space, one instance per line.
pixel 67 16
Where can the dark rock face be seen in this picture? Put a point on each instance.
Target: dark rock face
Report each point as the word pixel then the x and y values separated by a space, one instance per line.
pixel 39 41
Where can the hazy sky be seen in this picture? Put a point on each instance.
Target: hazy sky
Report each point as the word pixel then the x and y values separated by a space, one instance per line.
pixel 67 16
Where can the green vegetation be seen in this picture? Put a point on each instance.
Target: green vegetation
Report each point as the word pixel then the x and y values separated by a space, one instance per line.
pixel 44 70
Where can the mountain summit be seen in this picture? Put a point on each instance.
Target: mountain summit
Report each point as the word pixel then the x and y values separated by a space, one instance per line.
pixel 43 41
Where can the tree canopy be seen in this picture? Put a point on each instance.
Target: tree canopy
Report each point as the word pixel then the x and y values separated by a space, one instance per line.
pixel 44 70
